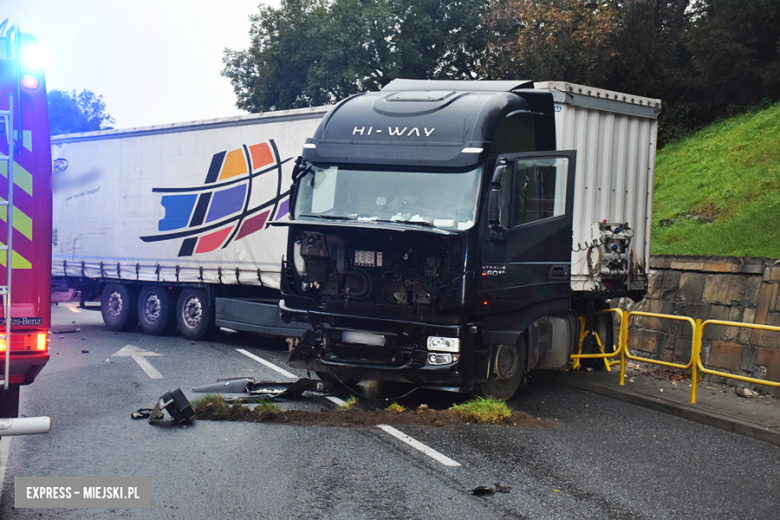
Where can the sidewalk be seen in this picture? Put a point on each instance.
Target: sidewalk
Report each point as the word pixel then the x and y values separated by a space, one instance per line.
pixel 717 405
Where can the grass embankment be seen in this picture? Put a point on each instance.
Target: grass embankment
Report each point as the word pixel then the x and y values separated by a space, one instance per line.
pixel 720 189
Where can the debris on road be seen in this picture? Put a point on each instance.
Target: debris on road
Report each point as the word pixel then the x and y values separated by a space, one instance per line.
pixel 174 402
pixel 490 490
pixel 356 416
pixel 263 390
pixel 746 392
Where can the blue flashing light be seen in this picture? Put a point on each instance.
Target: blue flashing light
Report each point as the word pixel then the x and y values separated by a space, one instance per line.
pixel 32 58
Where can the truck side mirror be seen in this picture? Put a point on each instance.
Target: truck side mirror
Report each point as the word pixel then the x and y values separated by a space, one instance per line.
pixel 494 196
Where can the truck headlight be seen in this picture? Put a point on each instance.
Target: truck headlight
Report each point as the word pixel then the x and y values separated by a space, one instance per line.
pixel 443 344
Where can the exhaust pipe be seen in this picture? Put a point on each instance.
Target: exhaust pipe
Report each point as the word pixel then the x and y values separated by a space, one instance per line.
pixel 24 426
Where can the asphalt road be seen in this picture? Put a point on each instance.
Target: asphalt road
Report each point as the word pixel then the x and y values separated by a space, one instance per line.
pixel 598 458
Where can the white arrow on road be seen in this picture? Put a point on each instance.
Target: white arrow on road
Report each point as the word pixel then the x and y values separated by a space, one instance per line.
pixel 139 355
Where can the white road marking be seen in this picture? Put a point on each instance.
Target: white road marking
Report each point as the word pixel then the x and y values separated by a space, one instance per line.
pixel 418 445
pixel 270 365
pixel 139 356
pixel 414 443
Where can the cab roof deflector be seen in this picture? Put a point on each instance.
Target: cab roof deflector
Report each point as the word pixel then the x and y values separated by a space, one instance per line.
pixel 456 85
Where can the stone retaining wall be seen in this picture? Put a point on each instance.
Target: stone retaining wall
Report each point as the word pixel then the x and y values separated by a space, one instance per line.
pixel 721 288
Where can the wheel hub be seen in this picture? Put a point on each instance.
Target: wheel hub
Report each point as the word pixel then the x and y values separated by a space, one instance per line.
pixel 192 312
pixel 152 308
pixel 115 305
pixel 507 363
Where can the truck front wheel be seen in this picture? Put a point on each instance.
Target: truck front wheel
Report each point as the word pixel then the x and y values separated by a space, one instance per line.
pixel 156 311
pixel 118 306
pixel 194 314
pixel 507 371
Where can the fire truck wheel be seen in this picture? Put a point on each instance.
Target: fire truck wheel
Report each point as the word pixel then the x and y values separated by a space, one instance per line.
pixel 194 314
pixel 507 371
pixel 118 306
pixel 156 311
pixel 9 402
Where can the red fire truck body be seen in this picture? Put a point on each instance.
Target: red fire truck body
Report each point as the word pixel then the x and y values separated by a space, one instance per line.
pixel 26 208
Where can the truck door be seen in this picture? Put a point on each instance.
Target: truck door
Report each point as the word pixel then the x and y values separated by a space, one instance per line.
pixel 525 267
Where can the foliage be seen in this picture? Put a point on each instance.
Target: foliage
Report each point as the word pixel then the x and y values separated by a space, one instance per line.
pixel 349 404
pixel 719 189
pixel 316 52
pixel 395 407
pixel 481 410
pixel 705 59
pixel 74 113
pixel 267 407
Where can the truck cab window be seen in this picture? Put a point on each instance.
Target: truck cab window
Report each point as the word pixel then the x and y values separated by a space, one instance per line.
pixel 442 199
pixel 539 189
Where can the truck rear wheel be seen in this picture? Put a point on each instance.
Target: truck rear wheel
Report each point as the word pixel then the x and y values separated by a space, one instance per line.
pixel 118 306
pixel 9 402
pixel 156 311
pixel 507 372
pixel 194 314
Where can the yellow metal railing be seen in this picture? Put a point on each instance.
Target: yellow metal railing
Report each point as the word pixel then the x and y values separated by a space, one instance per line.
pixel 604 355
pixel 738 377
pixel 695 364
pixel 690 365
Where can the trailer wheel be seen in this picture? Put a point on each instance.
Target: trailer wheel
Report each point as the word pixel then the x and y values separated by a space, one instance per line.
pixel 194 314
pixel 156 311
pixel 9 402
pixel 507 371
pixel 118 306
pixel 602 324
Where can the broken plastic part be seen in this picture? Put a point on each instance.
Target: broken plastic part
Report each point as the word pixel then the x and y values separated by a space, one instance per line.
pixel 266 389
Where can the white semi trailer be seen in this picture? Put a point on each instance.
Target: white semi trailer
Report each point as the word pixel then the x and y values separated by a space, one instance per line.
pixel 174 225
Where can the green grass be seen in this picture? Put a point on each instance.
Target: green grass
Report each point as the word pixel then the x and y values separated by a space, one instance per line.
pixel 720 188
pixel 395 407
pixel 214 401
pixel 349 404
pixel 485 411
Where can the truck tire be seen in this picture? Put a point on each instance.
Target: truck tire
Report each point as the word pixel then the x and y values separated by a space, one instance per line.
pixel 9 402
pixel 507 371
pixel 194 314
pixel 156 310
pixel 118 304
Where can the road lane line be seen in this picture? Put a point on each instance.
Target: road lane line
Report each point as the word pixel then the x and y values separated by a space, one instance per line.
pixel 418 445
pixel 270 365
pixel 414 443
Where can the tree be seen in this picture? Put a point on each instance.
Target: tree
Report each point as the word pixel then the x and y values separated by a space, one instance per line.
pixel 75 113
pixel 315 52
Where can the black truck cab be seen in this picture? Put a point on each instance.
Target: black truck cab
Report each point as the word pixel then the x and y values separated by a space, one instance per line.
pixel 431 226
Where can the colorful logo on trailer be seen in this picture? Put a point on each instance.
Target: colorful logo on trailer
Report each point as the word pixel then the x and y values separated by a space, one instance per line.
pixel 205 218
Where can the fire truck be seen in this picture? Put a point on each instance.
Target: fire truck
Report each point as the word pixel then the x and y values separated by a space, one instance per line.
pixel 26 230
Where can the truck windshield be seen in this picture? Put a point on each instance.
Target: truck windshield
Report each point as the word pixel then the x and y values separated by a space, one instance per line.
pixel 445 200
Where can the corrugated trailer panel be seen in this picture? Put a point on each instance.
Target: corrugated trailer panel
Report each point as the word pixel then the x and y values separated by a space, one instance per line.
pixel 615 138
pixel 189 202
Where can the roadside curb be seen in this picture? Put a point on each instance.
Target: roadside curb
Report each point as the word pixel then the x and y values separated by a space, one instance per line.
pixel 692 412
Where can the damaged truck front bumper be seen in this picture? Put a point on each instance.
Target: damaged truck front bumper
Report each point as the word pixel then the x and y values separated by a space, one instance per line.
pixel 444 357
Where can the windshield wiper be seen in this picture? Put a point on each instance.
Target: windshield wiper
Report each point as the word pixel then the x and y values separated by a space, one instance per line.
pixel 416 222
pixel 328 217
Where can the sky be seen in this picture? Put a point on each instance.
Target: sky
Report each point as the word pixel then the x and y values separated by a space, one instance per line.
pixel 154 62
